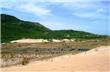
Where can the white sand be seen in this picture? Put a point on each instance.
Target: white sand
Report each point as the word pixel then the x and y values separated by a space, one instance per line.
pixel 29 41
pixel 96 60
pixel 39 40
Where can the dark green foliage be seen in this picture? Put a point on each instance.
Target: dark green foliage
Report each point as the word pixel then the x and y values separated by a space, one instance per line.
pixel 13 28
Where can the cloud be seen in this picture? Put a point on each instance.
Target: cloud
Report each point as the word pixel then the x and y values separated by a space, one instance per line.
pixel 87 9
pixel 27 7
pixel 68 0
pixel 52 1
pixel 100 10
pixel 37 10
pixel 86 14
pixel 56 25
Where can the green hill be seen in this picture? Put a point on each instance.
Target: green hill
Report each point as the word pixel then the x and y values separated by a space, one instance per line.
pixel 13 28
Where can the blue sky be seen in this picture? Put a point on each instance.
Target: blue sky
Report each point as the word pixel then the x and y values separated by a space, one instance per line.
pixel 84 15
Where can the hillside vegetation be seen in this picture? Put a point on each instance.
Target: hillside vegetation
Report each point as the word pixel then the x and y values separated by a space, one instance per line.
pixel 13 28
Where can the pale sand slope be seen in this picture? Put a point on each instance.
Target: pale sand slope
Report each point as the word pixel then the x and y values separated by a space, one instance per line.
pixel 91 61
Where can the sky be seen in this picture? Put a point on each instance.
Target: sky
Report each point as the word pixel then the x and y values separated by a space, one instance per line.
pixel 82 15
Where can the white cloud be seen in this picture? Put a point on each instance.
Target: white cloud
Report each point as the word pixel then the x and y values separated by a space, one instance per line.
pixel 58 1
pixel 69 0
pixel 84 15
pixel 85 9
pixel 37 10
pixel 27 7
pixel 55 25
pixel 100 10
pixel 79 5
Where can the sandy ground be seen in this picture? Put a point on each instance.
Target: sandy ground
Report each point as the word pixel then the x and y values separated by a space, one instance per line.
pixel 39 40
pixel 96 60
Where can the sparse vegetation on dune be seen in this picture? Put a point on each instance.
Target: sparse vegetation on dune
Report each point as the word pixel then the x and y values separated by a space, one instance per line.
pixel 15 53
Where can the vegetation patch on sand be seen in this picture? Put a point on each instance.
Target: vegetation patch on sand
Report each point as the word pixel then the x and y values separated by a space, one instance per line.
pixel 23 53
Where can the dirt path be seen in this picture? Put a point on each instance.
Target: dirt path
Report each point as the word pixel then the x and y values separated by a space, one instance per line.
pixel 96 60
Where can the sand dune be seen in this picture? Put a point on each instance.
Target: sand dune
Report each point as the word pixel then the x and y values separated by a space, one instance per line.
pixel 40 40
pixel 96 60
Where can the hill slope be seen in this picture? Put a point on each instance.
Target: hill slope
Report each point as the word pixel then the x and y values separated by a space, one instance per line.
pixel 13 28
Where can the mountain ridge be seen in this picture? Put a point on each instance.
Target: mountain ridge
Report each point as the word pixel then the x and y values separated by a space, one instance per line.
pixel 13 28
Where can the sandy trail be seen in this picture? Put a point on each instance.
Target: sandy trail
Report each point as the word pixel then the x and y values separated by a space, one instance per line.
pixel 95 60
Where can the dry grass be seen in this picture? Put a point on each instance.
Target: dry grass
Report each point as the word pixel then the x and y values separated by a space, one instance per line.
pixel 15 53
